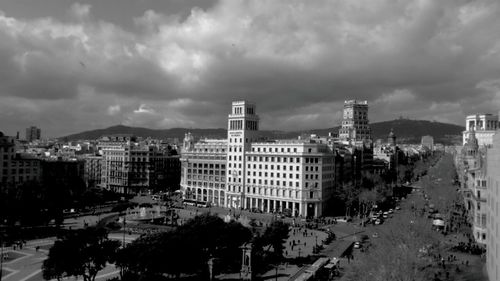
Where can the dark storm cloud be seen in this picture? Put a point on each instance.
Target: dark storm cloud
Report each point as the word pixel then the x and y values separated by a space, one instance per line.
pixel 297 61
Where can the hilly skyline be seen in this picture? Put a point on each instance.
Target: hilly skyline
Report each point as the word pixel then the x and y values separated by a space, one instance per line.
pixel 407 131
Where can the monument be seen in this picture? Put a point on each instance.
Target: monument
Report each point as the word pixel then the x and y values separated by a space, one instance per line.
pixel 246 262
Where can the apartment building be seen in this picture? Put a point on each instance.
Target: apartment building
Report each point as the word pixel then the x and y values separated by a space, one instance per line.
pixel 355 123
pixel 493 215
pixel 203 170
pixel 471 165
pixel 484 126
pixel 33 133
pixel 15 168
pixel 93 170
pixel 131 167
pixel 293 176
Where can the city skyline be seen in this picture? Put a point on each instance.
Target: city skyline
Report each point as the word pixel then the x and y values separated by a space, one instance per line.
pixel 79 65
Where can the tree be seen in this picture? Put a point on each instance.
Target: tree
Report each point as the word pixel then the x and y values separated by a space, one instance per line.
pixel 196 241
pixel 274 237
pixel 348 195
pixel 80 253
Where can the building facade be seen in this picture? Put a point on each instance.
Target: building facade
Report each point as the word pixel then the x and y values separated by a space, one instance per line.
pixel 33 133
pixel 242 130
pixel 471 166
pixel 484 125
pixel 131 167
pixel 93 170
pixel 15 168
pixel 493 199
pixel 291 176
pixel 355 122
pixel 295 177
pixel 203 170
pixel 428 141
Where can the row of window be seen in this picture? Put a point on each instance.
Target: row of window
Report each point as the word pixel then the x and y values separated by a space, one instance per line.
pixel 206 184
pixel 273 192
pixel 271 182
pixel 206 165
pixel 275 149
pixel 278 167
pixel 18 179
pixel 206 172
pixel 209 178
pixel 209 150
pixel 20 171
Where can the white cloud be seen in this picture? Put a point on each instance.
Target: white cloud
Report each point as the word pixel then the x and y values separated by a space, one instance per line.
pixel 114 109
pixel 80 11
pixel 297 61
pixel 145 109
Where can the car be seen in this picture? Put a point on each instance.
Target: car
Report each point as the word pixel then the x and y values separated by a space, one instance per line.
pixel 398 208
pixel 378 221
pixel 390 211
pixel 385 215
pixel 375 235
pixel 357 245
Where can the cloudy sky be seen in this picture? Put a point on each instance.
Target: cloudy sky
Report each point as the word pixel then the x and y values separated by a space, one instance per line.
pixel 69 66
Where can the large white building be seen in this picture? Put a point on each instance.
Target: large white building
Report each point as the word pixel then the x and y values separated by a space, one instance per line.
pixel 484 125
pixel 288 176
pixel 294 176
pixel 242 130
pixel 493 239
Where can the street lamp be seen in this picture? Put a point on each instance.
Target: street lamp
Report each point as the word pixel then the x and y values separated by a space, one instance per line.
pixel 210 267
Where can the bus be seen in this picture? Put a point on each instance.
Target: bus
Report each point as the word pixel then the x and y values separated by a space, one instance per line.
pixel 192 202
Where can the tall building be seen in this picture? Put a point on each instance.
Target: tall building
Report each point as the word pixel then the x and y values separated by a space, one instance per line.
pixel 472 171
pixel 16 169
pixel 203 170
pixel 290 176
pixel 242 130
pixel 493 199
pixel 355 123
pixel 33 133
pixel 93 170
pixel 130 167
pixel 295 177
pixel 484 125
pixel 428 141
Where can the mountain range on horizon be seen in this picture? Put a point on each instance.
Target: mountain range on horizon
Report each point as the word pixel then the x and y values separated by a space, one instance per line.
pixel 406 130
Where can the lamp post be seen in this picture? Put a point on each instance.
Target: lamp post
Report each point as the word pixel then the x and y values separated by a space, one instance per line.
pixel 210 267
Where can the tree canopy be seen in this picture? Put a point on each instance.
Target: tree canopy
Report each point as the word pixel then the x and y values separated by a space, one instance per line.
pixel 186 249
pixel 80 253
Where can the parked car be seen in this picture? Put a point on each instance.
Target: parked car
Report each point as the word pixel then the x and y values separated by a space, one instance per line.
pixel 378 221
pixel 357 245
pixel 385 215
pixel 390 211
pixel 375 235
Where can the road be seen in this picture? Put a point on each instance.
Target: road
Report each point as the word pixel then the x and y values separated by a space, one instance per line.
pixel 439 187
